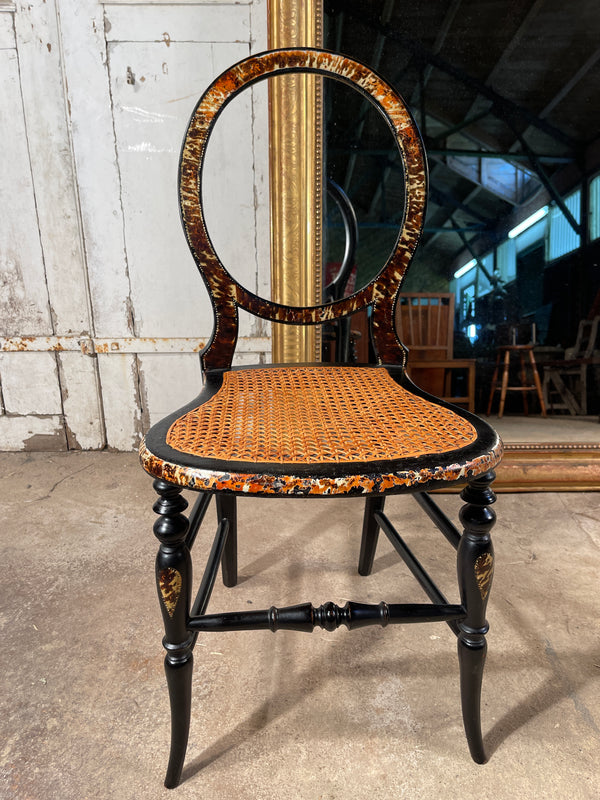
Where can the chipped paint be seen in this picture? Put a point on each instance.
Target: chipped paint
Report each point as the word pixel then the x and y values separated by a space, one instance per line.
pixel 89 345
pixel 40 442
pixel 28 344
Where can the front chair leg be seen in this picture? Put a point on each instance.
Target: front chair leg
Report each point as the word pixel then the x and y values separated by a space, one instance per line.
pixel 475 562
pixel 173 580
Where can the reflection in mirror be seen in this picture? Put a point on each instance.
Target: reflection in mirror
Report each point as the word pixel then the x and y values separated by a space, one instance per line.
pixel 362 160
pixel 512 228
pixel 363 177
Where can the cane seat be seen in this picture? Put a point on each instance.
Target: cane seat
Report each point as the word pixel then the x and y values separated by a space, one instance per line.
pixel 314 430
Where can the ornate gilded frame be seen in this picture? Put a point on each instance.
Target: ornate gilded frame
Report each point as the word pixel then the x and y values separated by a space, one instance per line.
pixel 296 190
pixel 296 256
pixel 543 467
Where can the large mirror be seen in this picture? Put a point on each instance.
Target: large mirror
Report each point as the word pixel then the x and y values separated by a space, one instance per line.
pixel 508 107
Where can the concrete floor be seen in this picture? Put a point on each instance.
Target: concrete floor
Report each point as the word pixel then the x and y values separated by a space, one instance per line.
pixel 552 429
pixel 364 714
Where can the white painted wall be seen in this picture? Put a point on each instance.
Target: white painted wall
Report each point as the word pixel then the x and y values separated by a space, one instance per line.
pixel 95 98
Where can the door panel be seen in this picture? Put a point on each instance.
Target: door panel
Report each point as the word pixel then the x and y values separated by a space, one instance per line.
pixel 99 296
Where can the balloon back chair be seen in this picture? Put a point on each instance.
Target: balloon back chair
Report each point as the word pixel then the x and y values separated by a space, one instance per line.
pixel 314 430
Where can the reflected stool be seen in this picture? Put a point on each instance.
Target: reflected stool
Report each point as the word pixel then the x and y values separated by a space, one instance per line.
pixel 504 355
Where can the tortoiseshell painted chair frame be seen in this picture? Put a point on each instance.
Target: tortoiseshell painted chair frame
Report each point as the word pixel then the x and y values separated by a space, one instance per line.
pixel 469 461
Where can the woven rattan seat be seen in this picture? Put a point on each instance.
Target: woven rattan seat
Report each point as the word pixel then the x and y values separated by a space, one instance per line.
pixel 315 430
pixel 312 415
pixel 281 430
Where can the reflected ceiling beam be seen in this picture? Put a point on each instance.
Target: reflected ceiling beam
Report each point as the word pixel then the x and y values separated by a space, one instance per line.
pixel 478 135
pixel 538 159
pixel 501 105
pixel 466 123
pixel 386 15
pixel 548 185
pixel 437 46
pixel 510 47
pixel 419 92
pixel 443 228
pixel 567 88
pixel 445 201
pixel 391 153
pixel 448 199
pixel 492 279
pixel 457 151
pixel 379 189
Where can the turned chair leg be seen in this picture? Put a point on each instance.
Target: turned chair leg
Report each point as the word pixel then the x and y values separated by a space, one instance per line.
pixel 475 563
pixel 226 509
pixel 370 534
pixel 173 580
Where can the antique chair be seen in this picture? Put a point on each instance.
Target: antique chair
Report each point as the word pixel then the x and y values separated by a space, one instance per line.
pixel 314 430
pixel 425 324
pixel 565 385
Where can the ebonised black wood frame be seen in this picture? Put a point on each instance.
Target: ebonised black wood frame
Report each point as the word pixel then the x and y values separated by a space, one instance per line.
pixel 185 620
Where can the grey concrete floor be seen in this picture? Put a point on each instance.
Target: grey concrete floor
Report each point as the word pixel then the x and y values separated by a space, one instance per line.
pixel 364 714
pixel 554 428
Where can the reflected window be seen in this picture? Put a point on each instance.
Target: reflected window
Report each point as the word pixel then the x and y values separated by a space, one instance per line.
pixel 506 260
pixel 595 208
pixel 562 238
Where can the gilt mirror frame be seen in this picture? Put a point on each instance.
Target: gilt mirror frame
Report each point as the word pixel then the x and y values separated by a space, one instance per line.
pixel 295 127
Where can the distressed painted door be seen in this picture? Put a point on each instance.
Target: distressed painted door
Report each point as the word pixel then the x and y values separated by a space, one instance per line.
pixel 103 310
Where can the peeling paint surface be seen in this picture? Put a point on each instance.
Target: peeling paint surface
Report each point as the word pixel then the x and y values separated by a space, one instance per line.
pixel 30 433
pixel 78 279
